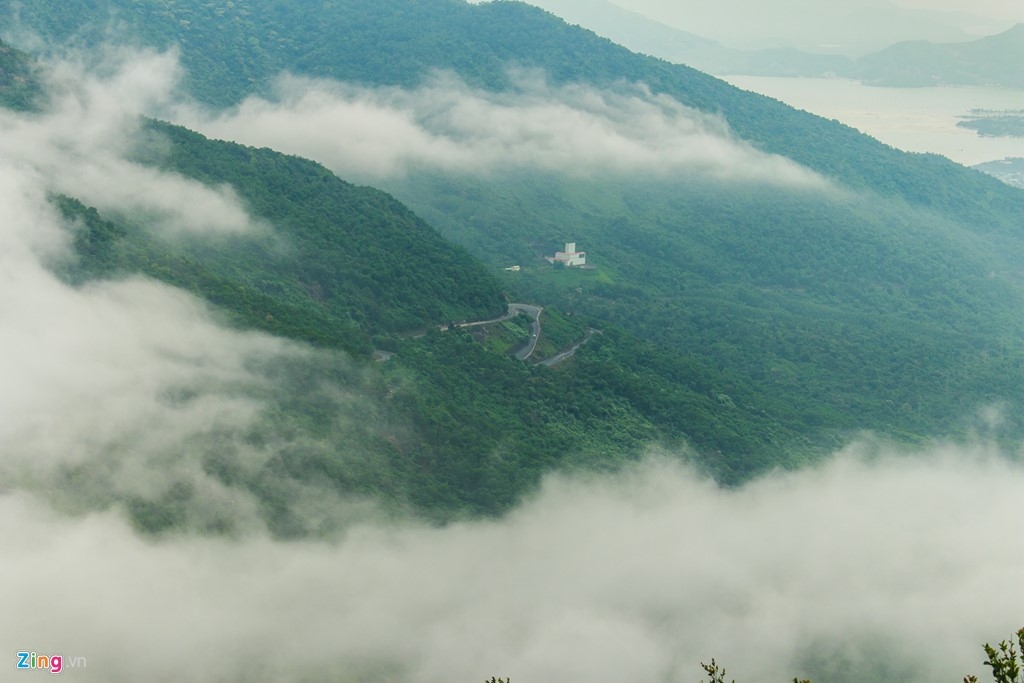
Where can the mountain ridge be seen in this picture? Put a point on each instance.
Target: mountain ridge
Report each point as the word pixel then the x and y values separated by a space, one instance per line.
pixel 479 42
pixel 760 325
pixel 979 61
pixel 988 61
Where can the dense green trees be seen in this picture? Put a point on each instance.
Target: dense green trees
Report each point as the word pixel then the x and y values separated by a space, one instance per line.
pixel 996 124
pixel 818 313
pixel 1004 660
pixel 19 87
pixel 231 50
pixel 341 264
pixel 479 427
pixel 759 326
pixel 484 427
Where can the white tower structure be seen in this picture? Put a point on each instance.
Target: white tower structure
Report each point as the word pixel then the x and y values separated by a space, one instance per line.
pixel 570 256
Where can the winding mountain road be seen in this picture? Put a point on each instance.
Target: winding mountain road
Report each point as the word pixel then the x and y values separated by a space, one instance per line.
pixel 514 310
pixel 531 345
pixel 559 357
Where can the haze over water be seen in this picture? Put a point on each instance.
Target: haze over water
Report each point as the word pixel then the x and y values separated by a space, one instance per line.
pixel 911 119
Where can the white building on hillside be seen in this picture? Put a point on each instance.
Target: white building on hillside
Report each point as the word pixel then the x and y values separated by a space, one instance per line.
pixel 570 256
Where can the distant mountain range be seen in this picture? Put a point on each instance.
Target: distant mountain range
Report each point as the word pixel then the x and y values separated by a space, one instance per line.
pixel 647 36
pixel 992 60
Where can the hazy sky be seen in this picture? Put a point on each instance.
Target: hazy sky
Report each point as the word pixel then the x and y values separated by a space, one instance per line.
pixel 1009 10
pixel 681 14
pixel 847 26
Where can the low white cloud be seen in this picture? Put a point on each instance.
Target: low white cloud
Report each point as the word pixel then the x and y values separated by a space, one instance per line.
pixel 83 141
pixel 901 567
pixel 121 390
pixel 87 371
pixel 379 133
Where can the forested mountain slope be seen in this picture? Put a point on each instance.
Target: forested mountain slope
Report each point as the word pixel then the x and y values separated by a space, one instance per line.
pixel 450 426
pixel 233 49
pixel 18 86
pixel 359 252
pixel 847 313
pixel 192 424
pixel 760 321
pixel 343 263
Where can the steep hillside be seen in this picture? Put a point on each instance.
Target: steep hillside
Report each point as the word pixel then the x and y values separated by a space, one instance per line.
pixel 195 435
pixel 233 49
pixel 343 264
pixel 19 89
pixel 451 425
pixel 760 322
pixel 847 313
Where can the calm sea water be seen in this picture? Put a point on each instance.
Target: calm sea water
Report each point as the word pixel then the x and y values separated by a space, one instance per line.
pixel 911 119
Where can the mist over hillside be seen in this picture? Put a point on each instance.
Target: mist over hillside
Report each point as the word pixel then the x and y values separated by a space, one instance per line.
pixel 843 573
pixel 792 442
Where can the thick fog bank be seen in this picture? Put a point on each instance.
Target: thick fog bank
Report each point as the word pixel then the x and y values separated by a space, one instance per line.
pixel 123 391
pixel 900 566
pixel 444 125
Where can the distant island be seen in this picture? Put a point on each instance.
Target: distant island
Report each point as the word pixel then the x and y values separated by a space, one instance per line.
pixel 1009 170
pixel 1008 123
